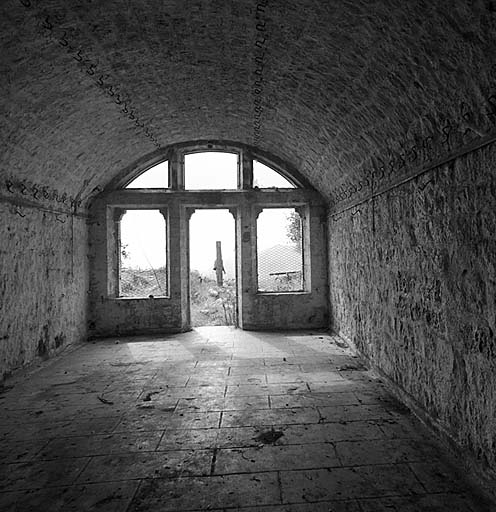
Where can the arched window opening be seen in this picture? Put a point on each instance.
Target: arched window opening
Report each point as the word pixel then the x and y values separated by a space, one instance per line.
pixel 265 177
pixel 211 170
pixel 155 177
pixel 280 250
pixel 143 268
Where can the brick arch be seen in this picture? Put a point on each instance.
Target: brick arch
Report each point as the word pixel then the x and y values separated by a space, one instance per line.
pixel 335 89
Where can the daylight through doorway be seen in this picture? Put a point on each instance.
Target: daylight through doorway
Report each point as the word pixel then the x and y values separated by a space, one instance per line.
pixel 212 268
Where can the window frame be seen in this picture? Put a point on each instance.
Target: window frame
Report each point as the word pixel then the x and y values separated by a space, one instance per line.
pixel 303 209
pixel 182 169
pixel 145 170
pixel 281 173
pixel 115 214
pixel 116 197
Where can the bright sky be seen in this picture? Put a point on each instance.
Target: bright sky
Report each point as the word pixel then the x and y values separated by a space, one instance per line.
pixel 144 231
pixel 143 238
pixel 205 228
pixel 156 177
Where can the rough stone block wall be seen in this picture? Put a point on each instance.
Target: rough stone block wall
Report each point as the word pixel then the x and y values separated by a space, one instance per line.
pixel 126 317
pixel 413 285
pixel 43 284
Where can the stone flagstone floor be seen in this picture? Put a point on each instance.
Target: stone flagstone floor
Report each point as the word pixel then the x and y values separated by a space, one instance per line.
pixel 217 419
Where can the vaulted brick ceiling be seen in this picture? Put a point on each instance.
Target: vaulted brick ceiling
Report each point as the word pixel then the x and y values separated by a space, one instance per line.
pixel 90 87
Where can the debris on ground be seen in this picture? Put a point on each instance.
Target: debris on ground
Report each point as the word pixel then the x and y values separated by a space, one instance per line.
pixel 148 396
pixel 339 343
pixel 129 364
pixel 352 368
pixel 108 499
pixel 145 406
pixel 269 437
pixel 105 401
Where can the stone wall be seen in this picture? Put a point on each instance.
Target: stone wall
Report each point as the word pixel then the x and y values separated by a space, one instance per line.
pixel 43 284
pixel 413 285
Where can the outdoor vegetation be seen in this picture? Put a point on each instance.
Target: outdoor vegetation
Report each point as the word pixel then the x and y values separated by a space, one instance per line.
pixel 136 282
pixel 212 304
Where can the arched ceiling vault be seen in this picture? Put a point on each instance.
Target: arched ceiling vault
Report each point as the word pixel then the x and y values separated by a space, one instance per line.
pixel 333 87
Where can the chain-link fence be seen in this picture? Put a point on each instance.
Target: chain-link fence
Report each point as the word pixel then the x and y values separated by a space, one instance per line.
pixel 280 269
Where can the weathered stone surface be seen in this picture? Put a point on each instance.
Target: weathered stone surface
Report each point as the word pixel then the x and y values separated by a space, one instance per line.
pixel 43 284
pixel 413 284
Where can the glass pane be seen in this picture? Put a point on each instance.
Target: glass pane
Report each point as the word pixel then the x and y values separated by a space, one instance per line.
pixel 211 170
pixel 279 250
pixel 265 177
pixel 155 177
pixel 143 254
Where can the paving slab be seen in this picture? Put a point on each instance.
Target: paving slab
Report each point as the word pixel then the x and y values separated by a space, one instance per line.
pixel 129 466
pixel 40 474
pixel 255 417
pixel 108 497
pixel 206 493
pixel 80 446
pixel 350 482
pixel 270 458
pixel 329 432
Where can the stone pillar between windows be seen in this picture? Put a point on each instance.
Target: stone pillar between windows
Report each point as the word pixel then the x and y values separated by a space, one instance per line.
pixel 165 214
pixel 116 253
pixel 246 263
pixel 246 171
pixel 186 213
pixel 176 175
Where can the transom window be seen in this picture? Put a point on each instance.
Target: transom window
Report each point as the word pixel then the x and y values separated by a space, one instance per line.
pixel 212 170
pixel 155 177
pixel 265 177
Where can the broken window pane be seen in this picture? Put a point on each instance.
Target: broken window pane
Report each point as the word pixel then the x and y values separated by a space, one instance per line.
pixel 279 250
pixel 211 170
pixel 143 254
pixel 155 177
pixel 265 177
